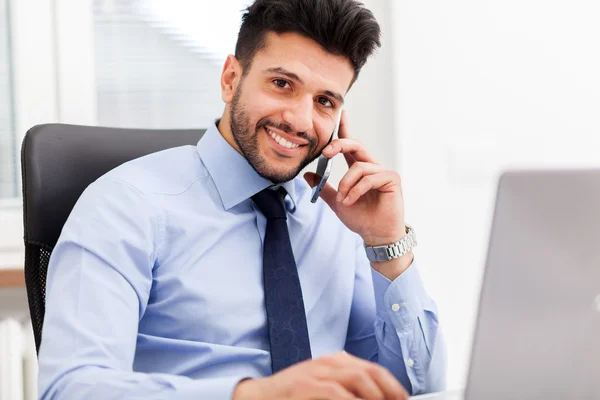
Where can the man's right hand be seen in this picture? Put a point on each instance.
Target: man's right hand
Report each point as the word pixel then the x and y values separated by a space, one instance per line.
pixel 340 376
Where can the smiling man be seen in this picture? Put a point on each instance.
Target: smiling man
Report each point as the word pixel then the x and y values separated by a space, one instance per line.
pixel 206 273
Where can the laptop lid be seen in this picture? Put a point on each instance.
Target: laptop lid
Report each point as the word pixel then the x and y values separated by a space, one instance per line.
pixel 538 328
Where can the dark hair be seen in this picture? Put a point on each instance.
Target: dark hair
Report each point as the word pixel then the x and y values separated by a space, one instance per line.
pixel 341 27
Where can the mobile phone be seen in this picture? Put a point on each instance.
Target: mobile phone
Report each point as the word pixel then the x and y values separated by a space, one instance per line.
pixel 324 165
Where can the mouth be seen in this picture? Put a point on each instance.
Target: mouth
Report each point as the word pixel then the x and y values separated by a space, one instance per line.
pixel 282 144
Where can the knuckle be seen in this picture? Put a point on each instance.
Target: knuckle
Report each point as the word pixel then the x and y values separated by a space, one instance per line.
pixel 329 359
pixel 301 381
pixel 360 375
pixel 363 166
pixel 343 186
pixel 367 181
pixel 397 177
pixel 332 390
pixel 320 370
pixel 356 169
pixel 380 373
pixel 378 370
pixel 353 195
pixel 355 191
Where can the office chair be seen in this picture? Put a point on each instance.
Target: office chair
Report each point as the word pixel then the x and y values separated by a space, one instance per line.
pixel 58 162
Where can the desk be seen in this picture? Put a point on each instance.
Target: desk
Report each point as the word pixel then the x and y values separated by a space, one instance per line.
pixel 450 395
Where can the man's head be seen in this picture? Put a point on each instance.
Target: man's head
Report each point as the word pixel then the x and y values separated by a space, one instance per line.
pixel 294 62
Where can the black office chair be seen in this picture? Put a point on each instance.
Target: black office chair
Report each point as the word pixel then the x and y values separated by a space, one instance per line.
pixel 58 162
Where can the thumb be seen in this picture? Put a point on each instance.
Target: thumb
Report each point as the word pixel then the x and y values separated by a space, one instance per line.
pixel 328 193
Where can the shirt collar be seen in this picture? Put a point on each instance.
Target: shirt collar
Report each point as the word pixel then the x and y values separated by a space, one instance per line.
pixel 233 176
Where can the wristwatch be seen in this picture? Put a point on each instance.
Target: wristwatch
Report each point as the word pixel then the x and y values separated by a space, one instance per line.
pixel 395 250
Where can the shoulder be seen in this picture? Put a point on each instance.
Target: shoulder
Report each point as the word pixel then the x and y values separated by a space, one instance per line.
pixel 170 171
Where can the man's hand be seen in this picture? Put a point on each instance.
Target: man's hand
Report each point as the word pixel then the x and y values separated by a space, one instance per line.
pixel 369 197
pixel 340 376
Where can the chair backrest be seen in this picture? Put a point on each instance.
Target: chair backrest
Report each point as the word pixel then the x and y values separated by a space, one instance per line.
pixel 58 162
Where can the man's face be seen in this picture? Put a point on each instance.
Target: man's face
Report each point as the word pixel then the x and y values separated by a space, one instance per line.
pixel 283 111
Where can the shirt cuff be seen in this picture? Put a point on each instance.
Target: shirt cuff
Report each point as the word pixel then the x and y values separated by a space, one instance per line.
pixel 401 301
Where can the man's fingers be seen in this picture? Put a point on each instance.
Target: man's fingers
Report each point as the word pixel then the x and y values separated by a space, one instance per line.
pixel 354 175
pixel 390 386
pixel 358 381
pixel 380 181
pixel 344 132
pixel 352 149
pixel 386 382
pixel 325 390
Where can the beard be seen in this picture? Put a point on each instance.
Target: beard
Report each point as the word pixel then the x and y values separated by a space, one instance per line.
pixel 247 140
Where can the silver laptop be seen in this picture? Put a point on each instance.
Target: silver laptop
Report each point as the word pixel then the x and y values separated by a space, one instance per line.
pixel 538 329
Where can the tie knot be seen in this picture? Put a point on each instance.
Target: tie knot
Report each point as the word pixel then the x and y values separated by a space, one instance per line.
pixel 270 202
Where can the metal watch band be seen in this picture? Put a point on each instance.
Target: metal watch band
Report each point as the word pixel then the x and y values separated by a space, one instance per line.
pixel 395 250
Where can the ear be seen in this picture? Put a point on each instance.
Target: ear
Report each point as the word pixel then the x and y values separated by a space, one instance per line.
pixel 230 78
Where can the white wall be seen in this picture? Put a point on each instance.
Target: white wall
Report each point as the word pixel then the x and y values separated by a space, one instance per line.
pixel 482 85
pixel 370 102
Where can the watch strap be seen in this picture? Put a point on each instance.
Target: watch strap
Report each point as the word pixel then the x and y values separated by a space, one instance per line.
pixel 394 250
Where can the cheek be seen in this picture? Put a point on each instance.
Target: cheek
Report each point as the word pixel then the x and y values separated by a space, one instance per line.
pixel 324 129
pixel 261 106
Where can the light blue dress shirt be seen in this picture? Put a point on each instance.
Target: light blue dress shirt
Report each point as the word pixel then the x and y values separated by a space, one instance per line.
pixel 155 290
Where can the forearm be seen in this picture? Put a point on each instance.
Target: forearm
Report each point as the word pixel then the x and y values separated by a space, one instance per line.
pixel 92 382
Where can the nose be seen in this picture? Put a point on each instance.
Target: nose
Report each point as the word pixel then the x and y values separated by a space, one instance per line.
pixel 299 117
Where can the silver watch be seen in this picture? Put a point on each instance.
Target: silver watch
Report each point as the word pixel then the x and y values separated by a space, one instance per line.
pixel 395 250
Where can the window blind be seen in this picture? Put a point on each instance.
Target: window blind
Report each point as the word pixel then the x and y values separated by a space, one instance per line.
pixel 149 73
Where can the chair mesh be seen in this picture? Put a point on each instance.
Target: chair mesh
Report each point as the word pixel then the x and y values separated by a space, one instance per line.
pixel 37 257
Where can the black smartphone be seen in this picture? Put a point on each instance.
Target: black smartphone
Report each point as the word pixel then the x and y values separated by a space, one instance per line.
pixel 324 165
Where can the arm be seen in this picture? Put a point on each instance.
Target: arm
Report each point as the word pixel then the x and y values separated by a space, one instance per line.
pixel 98 285
pixel 405 338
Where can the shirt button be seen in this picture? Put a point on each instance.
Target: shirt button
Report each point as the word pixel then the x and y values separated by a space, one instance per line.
pixel 410 363
pixel 395 307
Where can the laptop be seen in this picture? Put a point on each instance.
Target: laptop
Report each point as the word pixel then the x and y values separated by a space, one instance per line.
pixel 538 328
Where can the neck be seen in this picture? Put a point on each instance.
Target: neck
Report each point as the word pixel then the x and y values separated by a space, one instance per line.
pixel 224 127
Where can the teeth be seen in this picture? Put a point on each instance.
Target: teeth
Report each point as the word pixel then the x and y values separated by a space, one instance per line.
pixel 282 141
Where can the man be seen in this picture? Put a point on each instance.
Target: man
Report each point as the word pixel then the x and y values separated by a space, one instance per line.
pixel 206 272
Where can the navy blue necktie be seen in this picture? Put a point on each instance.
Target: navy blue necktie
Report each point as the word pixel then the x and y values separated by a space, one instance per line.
pixel 286 318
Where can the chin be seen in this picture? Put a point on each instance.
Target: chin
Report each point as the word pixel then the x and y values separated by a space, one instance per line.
pixel 274 173
pixel 274 166
pixel 279 176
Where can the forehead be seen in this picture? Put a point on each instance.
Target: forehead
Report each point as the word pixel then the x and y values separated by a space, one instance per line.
pixel 307 59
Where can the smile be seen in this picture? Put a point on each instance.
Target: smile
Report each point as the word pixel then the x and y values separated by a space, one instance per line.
pixel 281 141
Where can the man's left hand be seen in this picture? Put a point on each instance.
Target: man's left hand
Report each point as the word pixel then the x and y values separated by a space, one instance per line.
pixel 369 196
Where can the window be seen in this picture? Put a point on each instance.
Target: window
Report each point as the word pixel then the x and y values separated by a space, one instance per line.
pixel 9 176
pixel 158 63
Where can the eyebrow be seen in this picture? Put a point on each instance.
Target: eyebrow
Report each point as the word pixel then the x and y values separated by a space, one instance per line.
pixel 293 76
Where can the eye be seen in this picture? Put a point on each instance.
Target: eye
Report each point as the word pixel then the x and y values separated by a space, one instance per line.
pixel 281 83
pixel 324 101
